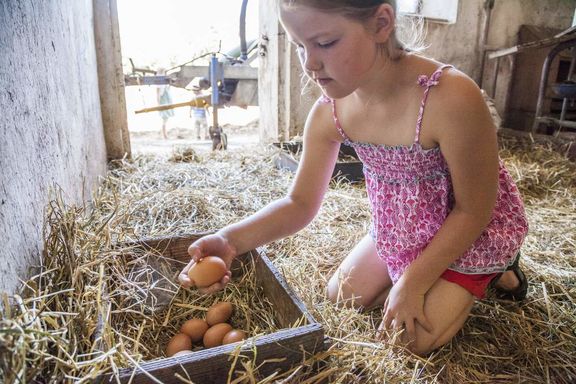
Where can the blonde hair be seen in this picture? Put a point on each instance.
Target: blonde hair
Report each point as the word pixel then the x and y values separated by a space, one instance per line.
pixel 408 33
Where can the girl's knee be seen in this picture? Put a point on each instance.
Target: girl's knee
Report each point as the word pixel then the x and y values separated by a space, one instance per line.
pixel 332 291
pixel 424 343
pixel 342 294
pixel 423 346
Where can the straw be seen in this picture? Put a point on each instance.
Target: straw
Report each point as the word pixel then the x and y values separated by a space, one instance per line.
pixel 94 306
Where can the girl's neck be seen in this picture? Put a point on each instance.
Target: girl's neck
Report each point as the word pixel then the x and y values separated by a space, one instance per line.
pixel 384 80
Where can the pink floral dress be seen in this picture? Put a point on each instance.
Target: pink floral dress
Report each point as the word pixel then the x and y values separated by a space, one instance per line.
pixel 411 195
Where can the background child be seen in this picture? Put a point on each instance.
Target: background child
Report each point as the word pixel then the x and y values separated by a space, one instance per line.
pixel 164 97
pixel 447 219
pixel 199 115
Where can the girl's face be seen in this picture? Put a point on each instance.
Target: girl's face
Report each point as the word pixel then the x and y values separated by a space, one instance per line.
pixel 336 52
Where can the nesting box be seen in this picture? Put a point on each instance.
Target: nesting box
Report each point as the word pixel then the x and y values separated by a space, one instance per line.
pixel 347 167
pixel 273 353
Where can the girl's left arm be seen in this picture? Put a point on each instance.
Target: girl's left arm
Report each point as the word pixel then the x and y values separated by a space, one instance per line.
pixel 460 122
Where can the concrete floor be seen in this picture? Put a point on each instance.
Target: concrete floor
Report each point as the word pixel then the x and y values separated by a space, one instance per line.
pixel 153 143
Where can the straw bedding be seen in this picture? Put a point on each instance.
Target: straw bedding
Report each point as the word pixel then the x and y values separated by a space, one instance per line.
pixel 97 304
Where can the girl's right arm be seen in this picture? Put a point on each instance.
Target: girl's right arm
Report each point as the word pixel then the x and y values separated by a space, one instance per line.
pixel 287 215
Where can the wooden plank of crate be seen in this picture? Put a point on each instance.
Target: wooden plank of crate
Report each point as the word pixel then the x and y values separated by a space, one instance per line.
pixel 287 305
pixel 285 349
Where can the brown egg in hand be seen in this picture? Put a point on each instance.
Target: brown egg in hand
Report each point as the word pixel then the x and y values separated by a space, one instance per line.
pixel 195 329
pixel 215 334
pixel 219 313
pixel 180 342
pixel 207 271
pixel 233 336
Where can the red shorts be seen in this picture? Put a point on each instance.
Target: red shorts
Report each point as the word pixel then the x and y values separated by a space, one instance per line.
pixel 476 284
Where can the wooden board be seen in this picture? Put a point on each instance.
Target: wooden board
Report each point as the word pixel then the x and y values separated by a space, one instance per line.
pixel 275 352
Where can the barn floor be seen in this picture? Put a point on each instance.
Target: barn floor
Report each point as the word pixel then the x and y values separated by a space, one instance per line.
pixel 193 191
pixel 532 341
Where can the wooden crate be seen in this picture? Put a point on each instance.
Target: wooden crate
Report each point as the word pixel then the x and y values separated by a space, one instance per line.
pixel 348 170
pixel 287 347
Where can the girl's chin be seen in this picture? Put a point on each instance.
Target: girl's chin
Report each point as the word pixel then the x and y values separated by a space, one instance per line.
pixel 333 93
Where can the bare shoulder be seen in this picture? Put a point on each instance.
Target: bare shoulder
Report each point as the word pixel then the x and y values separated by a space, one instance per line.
pixel 456 90
pixel 320 121
pixel 457 103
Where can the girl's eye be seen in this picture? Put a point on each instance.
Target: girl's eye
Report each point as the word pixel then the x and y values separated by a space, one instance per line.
pixel 328 44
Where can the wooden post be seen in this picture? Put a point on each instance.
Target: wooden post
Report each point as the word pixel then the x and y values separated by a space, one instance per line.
pixel 111 79
pixel 283 107
pixel 268 72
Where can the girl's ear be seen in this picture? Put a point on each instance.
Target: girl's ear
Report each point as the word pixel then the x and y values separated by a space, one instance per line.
pixel 384 20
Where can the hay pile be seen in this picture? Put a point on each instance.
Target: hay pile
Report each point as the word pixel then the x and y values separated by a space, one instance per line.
pixel 88 310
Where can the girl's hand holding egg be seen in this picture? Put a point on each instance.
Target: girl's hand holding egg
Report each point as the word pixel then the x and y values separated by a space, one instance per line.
pixel 207 271
pixel 208 275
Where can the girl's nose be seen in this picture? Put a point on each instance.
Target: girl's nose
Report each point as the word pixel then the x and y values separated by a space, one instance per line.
pixel 311 62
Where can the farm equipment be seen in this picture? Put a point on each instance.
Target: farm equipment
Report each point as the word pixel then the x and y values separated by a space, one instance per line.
pixel 229 80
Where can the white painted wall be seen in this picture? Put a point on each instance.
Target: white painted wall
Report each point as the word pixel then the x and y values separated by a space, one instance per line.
pixel 51 127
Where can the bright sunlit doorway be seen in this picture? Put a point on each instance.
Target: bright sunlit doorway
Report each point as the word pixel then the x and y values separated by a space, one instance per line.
pixel 167 34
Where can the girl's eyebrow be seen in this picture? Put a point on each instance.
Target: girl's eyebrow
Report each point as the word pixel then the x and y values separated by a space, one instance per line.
pixel 313 37
pixel 318 35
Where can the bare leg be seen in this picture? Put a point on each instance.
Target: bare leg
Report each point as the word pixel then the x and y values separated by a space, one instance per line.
pixel 447 306
pixel 164 134
pixel 362 279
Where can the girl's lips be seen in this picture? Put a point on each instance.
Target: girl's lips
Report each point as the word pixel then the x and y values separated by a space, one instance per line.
pixel 323 81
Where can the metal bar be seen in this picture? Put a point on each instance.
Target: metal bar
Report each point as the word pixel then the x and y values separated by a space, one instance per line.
pixel 243 48
pixel 488 6
pixel 544 79
pixel 146 80
pixel 215 94
pixel 199 102
pixel 569 77
pixel 531 45
pixel 562 123
pixel 240 72
pixel 495 79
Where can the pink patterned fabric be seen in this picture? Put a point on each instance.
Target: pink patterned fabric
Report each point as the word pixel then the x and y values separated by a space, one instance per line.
pixel 411 195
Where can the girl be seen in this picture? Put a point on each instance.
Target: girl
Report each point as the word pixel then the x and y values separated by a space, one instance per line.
pixel 447 219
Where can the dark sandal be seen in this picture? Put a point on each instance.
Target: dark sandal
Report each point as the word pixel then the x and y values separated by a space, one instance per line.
pixel 517 294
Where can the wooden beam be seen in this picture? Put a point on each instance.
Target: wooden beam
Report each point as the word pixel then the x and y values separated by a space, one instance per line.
pixel 110 79
pixel 532 45
pixel 240 72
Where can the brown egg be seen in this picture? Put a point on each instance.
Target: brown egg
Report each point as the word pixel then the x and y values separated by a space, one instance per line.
pixel 182 353
pixel 219 313
pixel 178 343
pixel 214 335
pixel 233 336
pixel 195 329
pixel 207 271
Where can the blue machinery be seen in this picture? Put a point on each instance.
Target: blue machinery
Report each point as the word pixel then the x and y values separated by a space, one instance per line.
pixel 231 79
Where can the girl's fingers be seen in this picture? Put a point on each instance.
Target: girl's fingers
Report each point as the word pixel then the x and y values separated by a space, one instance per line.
pixel 423 321
pixel 381 331
pixel 195 252
pixel 184 280
pixel 216 286
pixel 388 321
pixel 410 330
pixel 183 276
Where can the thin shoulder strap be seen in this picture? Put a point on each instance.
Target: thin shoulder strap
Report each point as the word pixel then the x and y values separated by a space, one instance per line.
pixel 428 82
pixel 326 99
